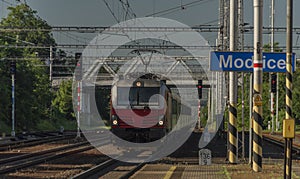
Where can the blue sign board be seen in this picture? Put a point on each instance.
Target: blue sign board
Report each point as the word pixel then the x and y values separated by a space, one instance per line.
pixel 242 61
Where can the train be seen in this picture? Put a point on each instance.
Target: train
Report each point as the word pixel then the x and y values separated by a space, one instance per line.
pixel 145 109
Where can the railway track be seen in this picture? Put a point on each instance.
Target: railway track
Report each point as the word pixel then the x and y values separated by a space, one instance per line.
pixel 94 167
pixel 15 163
pixel 110 164
pixel 94 170
pixel 280 142
pixel 33 142
pixel 132 171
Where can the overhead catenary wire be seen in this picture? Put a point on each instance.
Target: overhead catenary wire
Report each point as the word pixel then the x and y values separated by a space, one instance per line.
pixel 183 8
pixel 127 8
pixel 74 37
pixel 111 11
pixel 8 3
pixel 16 39
pixel 176 7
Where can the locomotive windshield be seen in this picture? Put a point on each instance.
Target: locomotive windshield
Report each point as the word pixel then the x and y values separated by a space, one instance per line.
pixel 138 96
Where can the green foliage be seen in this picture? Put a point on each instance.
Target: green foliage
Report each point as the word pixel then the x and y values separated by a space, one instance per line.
pixel 4 128
pixel 203 116
pixel 102 96
pixel 4 92
pixel 22 16
pixel 62 103
pixel 33 94
pixel 46 125
pixel 267 47
pixel 266 96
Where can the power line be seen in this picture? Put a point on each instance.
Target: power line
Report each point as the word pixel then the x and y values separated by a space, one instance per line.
pixel 176 8
pixel 183 7
pixel 16 39
pixel 127 8
pixel 133 46
pixel 99 29
pixel 111 11
pixel 8 3
pixel 74 37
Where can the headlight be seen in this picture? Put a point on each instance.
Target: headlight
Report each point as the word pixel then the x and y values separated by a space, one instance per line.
pixel 115 122
pixel 161 123
pixel 113 117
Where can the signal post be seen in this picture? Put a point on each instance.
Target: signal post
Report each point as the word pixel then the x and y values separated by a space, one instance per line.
pixel 13 73
pixel 78 78
pixel 288 122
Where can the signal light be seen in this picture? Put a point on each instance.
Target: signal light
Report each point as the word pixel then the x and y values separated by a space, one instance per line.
pixel 273 83
pixel 78 69
pixel 78 56
pixel 13 67
pixel 138 84
pixel 199 87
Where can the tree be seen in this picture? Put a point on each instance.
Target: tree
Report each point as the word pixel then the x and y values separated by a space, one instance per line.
pixel 33 96
pixel 267 47
pixel 62 103
pixel 266 95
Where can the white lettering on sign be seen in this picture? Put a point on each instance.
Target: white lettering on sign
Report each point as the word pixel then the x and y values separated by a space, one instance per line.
pixel 222 61
pixel 273 65
pixel 248 63
pixel 239 63
pixel 281 64
pixel 264 61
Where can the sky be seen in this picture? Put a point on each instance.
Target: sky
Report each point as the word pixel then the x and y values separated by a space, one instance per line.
pixel 96 13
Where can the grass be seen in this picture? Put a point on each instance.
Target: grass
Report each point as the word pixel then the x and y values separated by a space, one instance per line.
pixel 4 128
pixel 226 172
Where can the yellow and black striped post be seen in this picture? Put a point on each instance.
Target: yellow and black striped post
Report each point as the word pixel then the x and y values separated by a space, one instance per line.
pixel 257 87
pixel 257 127
pixel 232 133
pixel 288 122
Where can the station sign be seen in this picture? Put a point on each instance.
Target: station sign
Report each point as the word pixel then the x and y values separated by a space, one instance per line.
pixel 243 61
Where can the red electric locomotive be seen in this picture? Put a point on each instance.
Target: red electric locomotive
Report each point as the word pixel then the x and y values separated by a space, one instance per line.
pixel 144 109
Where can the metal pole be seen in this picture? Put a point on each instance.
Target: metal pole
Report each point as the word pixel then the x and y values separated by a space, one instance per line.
pixel 277 75
pixel 257 86
pixel 233 142
pixel 272 50
pixel 13 133
pixel 212 104
pixel 226 26
pixel 50 66
pixel 241 38
pixel 285 162
pixel 78 107
pixel 272 113
pixel 220 45
pixel 272 24
pixel 199 114
pixel 277 100
pixel 243 119
pixel 289 85
pixel 250 117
